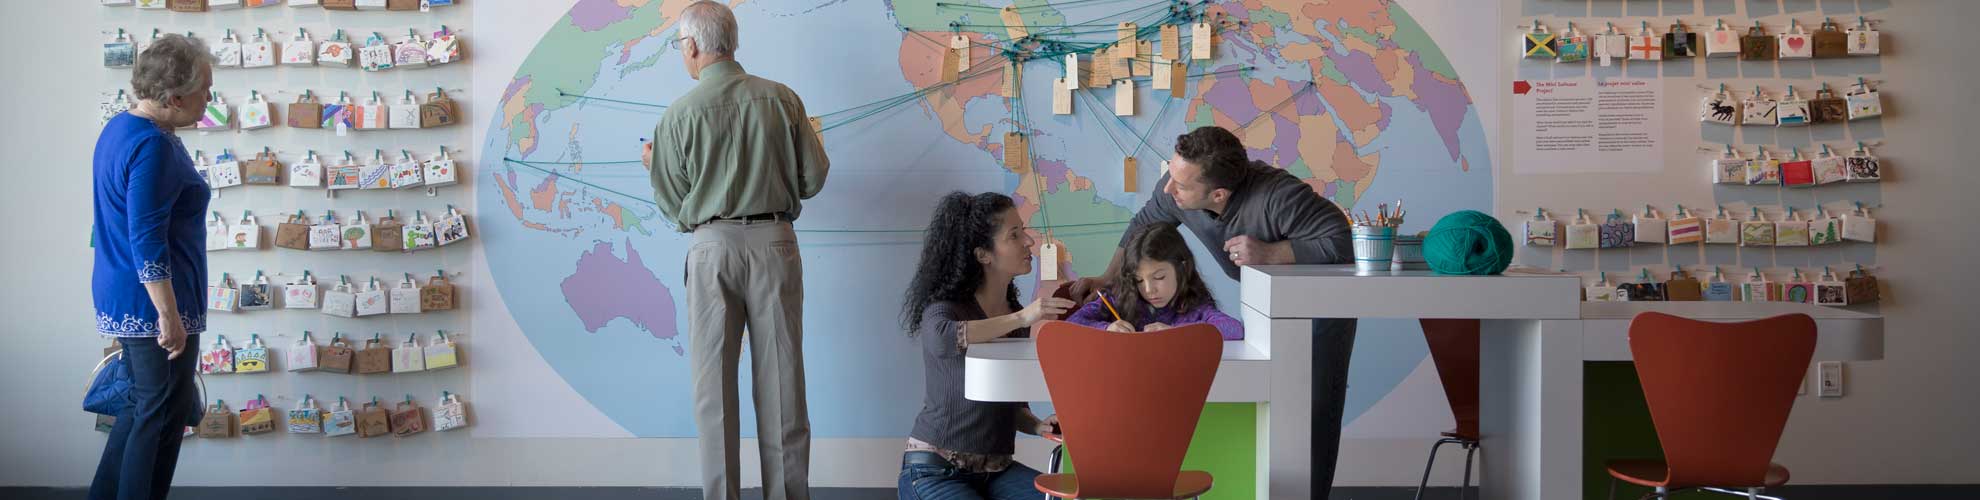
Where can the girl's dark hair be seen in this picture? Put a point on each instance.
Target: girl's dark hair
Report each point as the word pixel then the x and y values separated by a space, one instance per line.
pixel 963 223
pixel 1158 243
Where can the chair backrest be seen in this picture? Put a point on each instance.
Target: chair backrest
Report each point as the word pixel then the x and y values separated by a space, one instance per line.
pixel 1719 393
pixel 1128 402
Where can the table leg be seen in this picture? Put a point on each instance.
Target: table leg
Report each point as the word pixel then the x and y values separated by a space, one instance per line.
pixel 1530 409
pixel 1285 440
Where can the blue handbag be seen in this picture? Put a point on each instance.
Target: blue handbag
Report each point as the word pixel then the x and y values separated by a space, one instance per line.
pixel 109 393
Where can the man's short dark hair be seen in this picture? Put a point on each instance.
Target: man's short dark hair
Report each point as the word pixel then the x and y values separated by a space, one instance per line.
pixel 1218 153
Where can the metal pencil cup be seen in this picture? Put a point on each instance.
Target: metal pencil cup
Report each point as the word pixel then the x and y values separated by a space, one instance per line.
pixel 1409 254
pixel 1374 247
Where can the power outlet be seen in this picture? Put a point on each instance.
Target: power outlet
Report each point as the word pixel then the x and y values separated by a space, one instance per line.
pixel 1831 376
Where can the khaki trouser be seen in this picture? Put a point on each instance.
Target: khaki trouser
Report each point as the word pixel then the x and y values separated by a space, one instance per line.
pixel 749 276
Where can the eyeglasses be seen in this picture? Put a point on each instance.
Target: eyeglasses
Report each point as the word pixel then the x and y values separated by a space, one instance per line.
pixel 676 43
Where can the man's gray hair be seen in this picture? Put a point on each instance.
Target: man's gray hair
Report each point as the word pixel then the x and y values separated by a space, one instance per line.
pixel 711 25
pixel 169 68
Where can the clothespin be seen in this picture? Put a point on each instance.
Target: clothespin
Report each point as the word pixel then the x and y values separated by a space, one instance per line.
pixel 1722 23
pixel 1825 151
pixel 1861 22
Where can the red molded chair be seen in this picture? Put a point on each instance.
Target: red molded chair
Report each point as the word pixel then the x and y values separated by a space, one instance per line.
pixel 1128 405
pixel 1454 350
pixel 1719 395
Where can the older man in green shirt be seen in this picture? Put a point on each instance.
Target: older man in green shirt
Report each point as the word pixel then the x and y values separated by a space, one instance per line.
pixel 730 162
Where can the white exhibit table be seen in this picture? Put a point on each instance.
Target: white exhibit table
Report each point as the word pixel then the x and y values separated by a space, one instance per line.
pixel 1536 333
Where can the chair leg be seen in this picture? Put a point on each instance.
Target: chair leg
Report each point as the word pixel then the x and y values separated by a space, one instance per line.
pixel 1052 463
pixel 1612 488
pixel 1426 468
pixel 1464 488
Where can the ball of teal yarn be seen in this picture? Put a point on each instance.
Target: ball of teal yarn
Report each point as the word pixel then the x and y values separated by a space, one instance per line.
pixel 1468 242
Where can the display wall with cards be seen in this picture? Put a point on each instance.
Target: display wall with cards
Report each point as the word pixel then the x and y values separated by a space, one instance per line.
pixel 1774 119
pixel 334 145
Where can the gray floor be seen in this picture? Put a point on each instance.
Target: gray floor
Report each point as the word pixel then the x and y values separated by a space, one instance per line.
pixel 1809 492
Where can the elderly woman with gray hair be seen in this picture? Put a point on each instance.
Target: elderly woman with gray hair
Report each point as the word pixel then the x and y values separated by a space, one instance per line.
pixel 150 270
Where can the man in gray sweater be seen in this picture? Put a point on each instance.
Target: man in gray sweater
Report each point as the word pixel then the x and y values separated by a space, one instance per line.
pixel 1259 215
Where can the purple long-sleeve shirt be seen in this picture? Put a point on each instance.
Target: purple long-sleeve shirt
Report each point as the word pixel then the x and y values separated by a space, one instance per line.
pixel 1095 315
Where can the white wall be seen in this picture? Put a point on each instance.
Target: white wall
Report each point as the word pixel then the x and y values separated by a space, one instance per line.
pixel 1902 422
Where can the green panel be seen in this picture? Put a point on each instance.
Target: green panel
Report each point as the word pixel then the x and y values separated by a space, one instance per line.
pixel 1616 424
pixel 1225 445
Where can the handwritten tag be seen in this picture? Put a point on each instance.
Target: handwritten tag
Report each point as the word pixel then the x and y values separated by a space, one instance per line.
pixel 949 68
pixel 1013 23
pixel 1122 54
pixel 960 45
pixel 1124 34
pixel 1199 41
pixel 1061 97
pixel 1161 77
pixel 1130 174
pixel 1178 75
pixel 1010 80
pixel 1072 71
pixel 1048 262
pixel 1124 97
pixel 1016 151
pixel 1171 41
pixel 1144 51
pixel 1097 75
pixel 818 130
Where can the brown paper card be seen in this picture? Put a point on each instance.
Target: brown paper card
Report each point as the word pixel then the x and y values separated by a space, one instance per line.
pixel 1178 79
pixel 218 424
pixel 292 234
pixel 372 421
pixel 186 5
pixel 1121 56
pixel 388 236
pixel 305 115
pixel 408 419
pixel 1010 80
pixel 334 358
pixel 339 4
pixel 1144 53
pixel 1016 151
pixel 1130 173
pixel 1124 34
pixel 374 358
pixel 438 111
pixel 1013 23
pixel 437 295
pixel 1171 41
pixel 1683 288
pixel 401 4
pixel 949 66
pixel 263 169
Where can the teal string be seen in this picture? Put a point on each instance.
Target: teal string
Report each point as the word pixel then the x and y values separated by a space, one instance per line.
pixel 562 93
pixel 649 201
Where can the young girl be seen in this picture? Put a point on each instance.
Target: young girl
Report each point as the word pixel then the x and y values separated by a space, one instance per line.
pixel 1157 289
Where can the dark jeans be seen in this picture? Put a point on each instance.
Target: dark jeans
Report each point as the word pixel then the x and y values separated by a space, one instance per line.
pixel 143 450
pixel 941 481
pixel 1333 346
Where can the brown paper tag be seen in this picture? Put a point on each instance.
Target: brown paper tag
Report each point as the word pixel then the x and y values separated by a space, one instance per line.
pixel 949 69
pixel 1011 72
pixel 1124 34
pixel 1171 41
pixel 1013 23
pixel 1122 55
pixel 1143 54
pixel 1178 79
pixel 1017 151
pixel 1199 41
pixel 818 130
pixel 1130 173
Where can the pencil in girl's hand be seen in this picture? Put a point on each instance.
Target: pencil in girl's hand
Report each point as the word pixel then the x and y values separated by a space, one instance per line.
pixel 1110 306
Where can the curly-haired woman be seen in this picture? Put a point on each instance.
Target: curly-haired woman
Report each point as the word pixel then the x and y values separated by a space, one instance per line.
pixel 962 294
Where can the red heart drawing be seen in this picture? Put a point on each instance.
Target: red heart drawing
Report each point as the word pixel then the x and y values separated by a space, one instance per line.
pixel 1796 43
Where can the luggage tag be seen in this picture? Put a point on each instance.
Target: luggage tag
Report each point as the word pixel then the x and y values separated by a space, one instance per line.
pixel 407 172
pixel 1859 226
pixel 1760 111
pixel 1758 289
pixel 1683 288
pixel 258 113
pixel 442 353
pixel 1830 41
pixel 1824 229
pixel 348 174
pixel 1792 232
pixel 1757 45
pixel 1797 172
pixel 377 174
pixel 446 48
pixel 405 297
pixel 409 53
pixel 1863 166
pixel 1863 40
pixel 223 297
pixel 337 51
pixel 1829 168
pixel 340 421
pixel 306 112
pixel 245 234
pixel 375 55
pixel 300 51
pixel 258 294
pixel 1795 43
pixel 1719 108
pixel 439 171
pixel 1860 287
pixel 335 357
pixel 326 234
pixel 1645 289
pixel 340 301
pixel 1730 168
pixel 453 227
pixel 218 357
pixel 1646 45
pixel 1572 47
pixel 1583 234
pixel 293 232
pixel 1542 231
pixel 306 418
pixel 216 233
pixel 404 114
pixel 253 358
pixel 226 52
pixel 1686 228
pixel 1721 229
pixel 217 115
pixel 418 234
pixel 1830 291
pixel 437 295
pixel 1718 290
pixel 338 116
pixel 1618 232
pixel 1650 228
pixel 1602 291
pixel 372 301
pixel 1611 46
pixel 450 414
pixel 307 173
pixel 1764 171
pixel 410 356
pixel 1680 43
pixel 1826 107
pixel 372 115
pixel 1757 231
